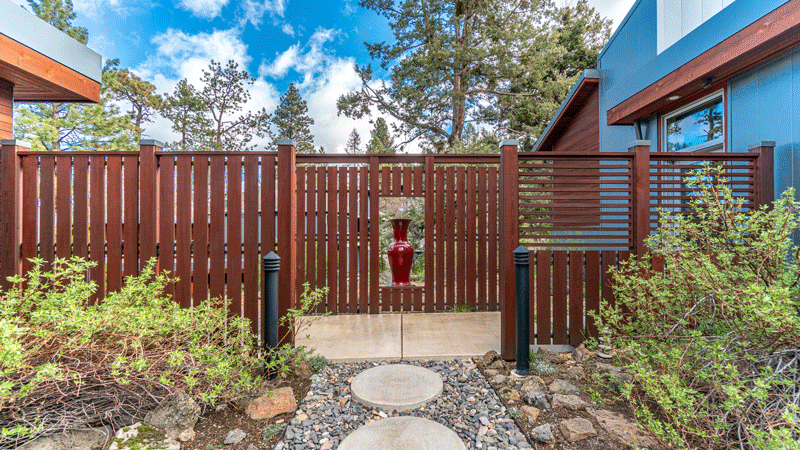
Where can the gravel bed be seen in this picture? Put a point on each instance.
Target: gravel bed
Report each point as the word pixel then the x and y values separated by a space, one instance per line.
pixel 468 405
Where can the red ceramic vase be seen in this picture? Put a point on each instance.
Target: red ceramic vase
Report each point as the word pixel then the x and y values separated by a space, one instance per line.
pixel 401 253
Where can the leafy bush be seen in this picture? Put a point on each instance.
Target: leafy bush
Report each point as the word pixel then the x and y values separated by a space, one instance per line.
pixel 713 341
pixel 65 364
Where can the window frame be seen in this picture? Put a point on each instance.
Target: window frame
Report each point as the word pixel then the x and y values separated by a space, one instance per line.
pixel 715 145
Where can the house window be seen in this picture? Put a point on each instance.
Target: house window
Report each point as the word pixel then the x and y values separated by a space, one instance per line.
pixel 698 126
pixel 677 18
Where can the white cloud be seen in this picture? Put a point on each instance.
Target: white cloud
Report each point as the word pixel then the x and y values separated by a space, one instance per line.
pixel 94 8
pixel 282 63
pixel 255 10
pixel 287 29
pixel 206 9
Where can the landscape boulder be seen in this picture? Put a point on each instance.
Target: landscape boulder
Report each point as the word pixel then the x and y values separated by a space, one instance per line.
pixel 271 404
pixel 175 416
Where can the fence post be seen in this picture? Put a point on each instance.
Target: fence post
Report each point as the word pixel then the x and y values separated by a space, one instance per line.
pixel 271 265
pixel 522 260
pixel 509 239
pixel 10 208
pixel 148 213
pixel 764 182
pixel 641 195
pixel 287 226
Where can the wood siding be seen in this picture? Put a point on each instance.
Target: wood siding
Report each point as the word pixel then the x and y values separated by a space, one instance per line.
pixel 6 108
pixel 581 133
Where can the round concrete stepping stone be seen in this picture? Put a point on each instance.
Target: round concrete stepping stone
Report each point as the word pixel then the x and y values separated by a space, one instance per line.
pixel 396 387
pixel 403 433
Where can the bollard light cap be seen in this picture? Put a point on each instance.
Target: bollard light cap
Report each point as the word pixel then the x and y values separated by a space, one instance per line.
pixel 271 262
pixel 521 255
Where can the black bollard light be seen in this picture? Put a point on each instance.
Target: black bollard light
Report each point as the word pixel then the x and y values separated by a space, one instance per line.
pixel 271 265
pixel 522 261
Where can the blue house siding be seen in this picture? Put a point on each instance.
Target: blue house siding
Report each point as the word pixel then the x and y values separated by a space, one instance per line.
pixel 764 105
pixel 630 62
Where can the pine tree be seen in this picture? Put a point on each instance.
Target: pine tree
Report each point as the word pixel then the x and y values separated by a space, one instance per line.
pixel 223 98
pixel 184 109
pixel 125 86
pixel 70 126
pixel 292 122
pixel 353 145
pixel 380 139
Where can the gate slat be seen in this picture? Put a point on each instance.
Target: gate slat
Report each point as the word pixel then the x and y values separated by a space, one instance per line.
pixel 386 178
pixel 183 231
pixel 396 300
pixel 544 260
pixel 417 186
pixel 592 289
pixel 251 261
pixel 64 206
pixel 29 213
pixel 407 182
pixel 200 230
pixel 397 182
pixel 470 231
pixel 450 240
pixel 114 227
pixel 341 242
pixel 47 210
pixel 331 233
pixel 80 201
pixel 560 297
pixel 321 234
pixel 167 219
pixel 493 297
pixel 233 288
pixel 363 291
pixel 130 228
pixel 439 227
pixel 575 297
pixel 216 229
pixel 483 303
pixel 352 240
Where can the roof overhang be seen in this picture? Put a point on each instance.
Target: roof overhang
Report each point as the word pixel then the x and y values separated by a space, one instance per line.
pixel 569 108
pixel 43 63
pixel 756 43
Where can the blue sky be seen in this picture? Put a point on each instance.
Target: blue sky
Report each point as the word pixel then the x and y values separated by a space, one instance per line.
pixel 311 43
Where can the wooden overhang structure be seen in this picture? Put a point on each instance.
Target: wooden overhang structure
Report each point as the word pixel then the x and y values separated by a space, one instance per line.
pixel 575 125
pixel 39 63
pixel 760 41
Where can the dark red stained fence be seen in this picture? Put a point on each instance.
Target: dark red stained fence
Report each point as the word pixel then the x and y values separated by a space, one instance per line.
pixel 581 214
pixel 338 210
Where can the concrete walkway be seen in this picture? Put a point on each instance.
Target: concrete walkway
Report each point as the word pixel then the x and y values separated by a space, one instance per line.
pixel 409 336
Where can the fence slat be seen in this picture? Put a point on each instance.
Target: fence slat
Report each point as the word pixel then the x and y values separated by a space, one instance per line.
pixel 200 255
pixel 331 232
pixel 130 228
pixel 460 236
pixel 80 201
pixel 374 246
pixel 407 182
pixel 352 240
pixel 592 289
pixel 363 288
pixel 233 287
pixel 397 181
pixel 216 230
pixel 321 234
pixel 492 205
pixel 450 240
pixel 300 234
pixel 114 226
pixel 575 297
pixel 609 258
pixel 29 214
pixel 544 260
pixel 560 297
pixel 341 242
pixel 439 230
pixel 310 236
pixel 98 218
pixel 166 229
pixel 470 231
pixel 47 210
pixel 183 231
pixel 483 252
pixel 252 264
pixel 430 228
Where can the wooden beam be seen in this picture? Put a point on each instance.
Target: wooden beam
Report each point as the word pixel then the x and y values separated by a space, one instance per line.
pixel 756 43
pixel 38 78
pixel 6 109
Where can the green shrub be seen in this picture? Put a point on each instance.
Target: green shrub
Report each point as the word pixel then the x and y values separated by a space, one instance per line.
pixel 713 341
pixel 65 364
